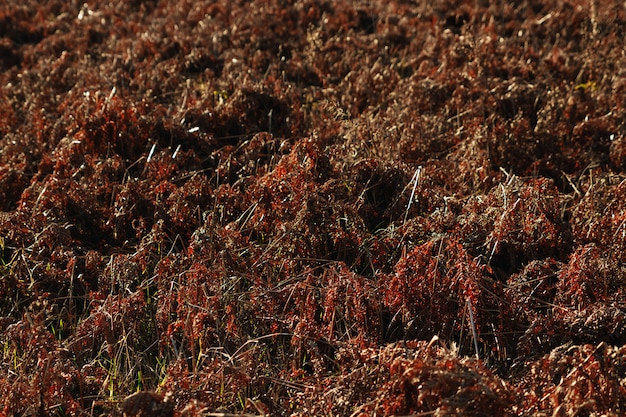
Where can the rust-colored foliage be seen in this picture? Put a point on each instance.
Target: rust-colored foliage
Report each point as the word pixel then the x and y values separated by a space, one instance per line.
pixel 432 288
pixel 575 379
pixel 409 378
pixel 146 403
pixel 517 222
pixel 532 291
pixel 600 216
pixel 272 207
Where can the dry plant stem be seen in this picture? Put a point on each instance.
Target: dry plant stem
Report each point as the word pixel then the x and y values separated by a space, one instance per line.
pixel 473 326
pixel 415 180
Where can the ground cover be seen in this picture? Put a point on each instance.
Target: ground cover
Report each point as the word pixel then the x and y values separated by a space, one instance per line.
pixel 309 207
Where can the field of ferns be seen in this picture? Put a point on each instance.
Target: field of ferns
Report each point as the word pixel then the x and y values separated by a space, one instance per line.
pixel 312 208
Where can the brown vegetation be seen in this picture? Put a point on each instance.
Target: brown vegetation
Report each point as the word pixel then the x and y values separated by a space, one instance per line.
pixel 310 207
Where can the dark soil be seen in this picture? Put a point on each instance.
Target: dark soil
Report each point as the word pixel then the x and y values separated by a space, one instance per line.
pixel 313 208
